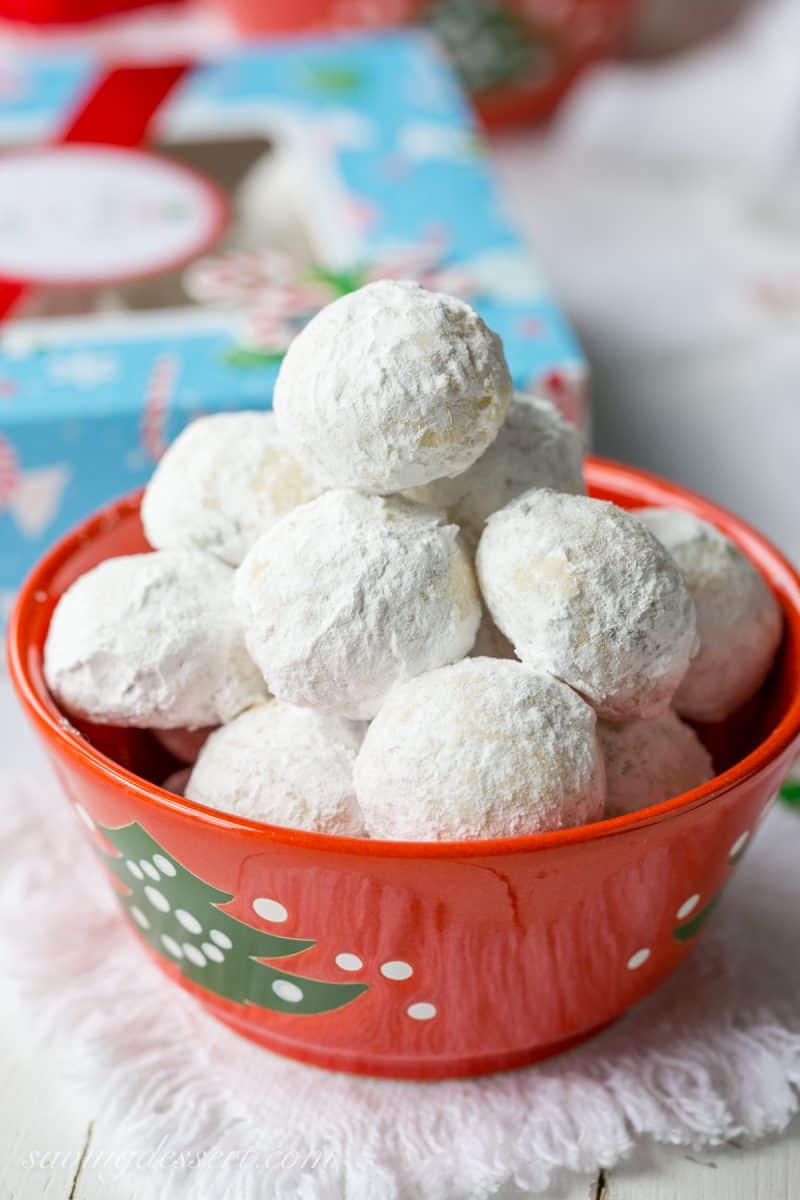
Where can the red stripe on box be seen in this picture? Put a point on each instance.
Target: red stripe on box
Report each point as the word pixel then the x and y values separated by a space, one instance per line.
pixel 123 102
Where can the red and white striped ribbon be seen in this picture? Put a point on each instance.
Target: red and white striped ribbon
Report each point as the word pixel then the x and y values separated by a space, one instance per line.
pixel 9 471
pixel 160 390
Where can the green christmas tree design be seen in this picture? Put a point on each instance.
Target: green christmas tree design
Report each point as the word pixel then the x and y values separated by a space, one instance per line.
pixel 790 792
pixel 179 915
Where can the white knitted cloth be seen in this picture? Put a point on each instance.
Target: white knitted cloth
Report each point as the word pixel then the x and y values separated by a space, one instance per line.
pixel 715 1054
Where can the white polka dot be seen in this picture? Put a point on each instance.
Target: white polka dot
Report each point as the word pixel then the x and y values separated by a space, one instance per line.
pixel 171 945
pixel 139 917
pixel 157 899
pixel 213 952
pixel 84 816
pixel 164 865
pixel 270 910
pixel 287 991
pixel 220 938
pixel 638 959
pixel 149 869
pixel 688 906
pixel 421 1012
pixel 194 955
pixel 188 921
pixel 134 869
pixel 349 962
pixel 397 970
pixel 739 845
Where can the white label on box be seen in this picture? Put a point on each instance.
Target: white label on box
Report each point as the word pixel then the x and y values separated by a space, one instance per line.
pixel 86 214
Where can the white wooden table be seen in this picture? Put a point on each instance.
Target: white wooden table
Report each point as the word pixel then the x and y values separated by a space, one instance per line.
pixel 39 1114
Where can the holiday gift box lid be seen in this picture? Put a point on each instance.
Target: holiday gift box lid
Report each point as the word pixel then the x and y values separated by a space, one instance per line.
pixel 166 229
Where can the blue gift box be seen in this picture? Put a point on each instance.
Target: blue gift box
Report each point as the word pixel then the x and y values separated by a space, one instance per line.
pixel 95 377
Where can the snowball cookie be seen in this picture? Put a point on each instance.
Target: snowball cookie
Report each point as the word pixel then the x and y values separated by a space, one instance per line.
pixel 151 640
pixel 283 765
pixel 584 591
pixel 183 744
pixel 535 447
pixel 221 483
pixel 739 621
pixel 651 761
pixel 350 594
pixel 485 748
pixel 392 386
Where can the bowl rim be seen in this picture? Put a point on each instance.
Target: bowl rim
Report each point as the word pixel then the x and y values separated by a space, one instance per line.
pixel 602 474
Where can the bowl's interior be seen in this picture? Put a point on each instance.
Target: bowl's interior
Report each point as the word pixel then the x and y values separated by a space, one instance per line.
pixel 773 716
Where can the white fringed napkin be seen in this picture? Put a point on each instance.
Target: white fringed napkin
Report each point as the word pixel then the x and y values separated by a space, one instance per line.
pixel 714 1055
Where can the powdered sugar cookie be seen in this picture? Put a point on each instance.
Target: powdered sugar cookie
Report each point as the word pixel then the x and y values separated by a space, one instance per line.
pixel 221 483
pixel 183 744
pixel 390 387
pixel 584 591
pixel 350 595
pixel 535 447
pixel 739 621
pixel 151 641
pixel 484 748
pixel 283 765
pixel 648 762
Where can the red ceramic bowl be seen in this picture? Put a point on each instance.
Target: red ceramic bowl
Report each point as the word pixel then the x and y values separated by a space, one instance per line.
pixel 407 959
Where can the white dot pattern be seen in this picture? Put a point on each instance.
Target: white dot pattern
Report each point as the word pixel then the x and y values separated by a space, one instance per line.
pixel 194 955
pixel 688 906
pixel 170 944
pixel 349 962
pixel 139 917
pixel 134 869
pixel 638 959
pixel 164 865
pixel 220 939
pixel 287 991
pixel 188 921
pixel 739 845
pixel 213 952
pixel 157 898
pixel 397 970
pixel 149 869
pixel 422 1011
pixel 269 910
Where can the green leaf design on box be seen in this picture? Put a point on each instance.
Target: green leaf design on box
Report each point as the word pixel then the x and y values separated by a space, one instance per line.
pixel 243 356
pixel 336 80
pixel 179 915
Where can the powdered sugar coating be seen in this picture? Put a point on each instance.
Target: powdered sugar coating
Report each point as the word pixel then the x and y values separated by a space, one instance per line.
pixel 536 447
pixel 392 386
pixel 350 595
pixel 584 591
pixel 183 744
pixel 484 748
pixel 223 481
pixel 283 765
pixel 151 641
pixel 648 762
pixel 739 621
